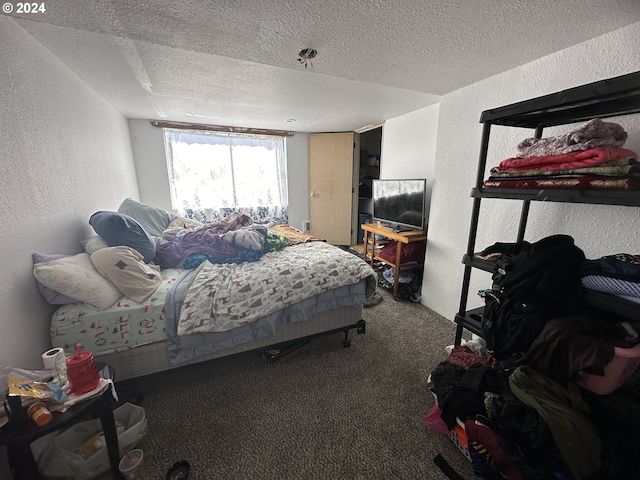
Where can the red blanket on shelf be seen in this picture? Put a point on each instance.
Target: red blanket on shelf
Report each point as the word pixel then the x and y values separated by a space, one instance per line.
pixel 585 158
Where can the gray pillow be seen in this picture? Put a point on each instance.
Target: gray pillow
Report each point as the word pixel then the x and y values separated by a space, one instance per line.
pixel 153 220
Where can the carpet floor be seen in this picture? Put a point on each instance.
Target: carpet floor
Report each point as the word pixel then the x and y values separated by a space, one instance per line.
pixel 321 412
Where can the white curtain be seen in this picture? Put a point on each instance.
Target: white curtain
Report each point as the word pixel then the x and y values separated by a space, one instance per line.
pixel 213 174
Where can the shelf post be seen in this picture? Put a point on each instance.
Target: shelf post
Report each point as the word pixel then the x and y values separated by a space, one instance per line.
pixel 475 215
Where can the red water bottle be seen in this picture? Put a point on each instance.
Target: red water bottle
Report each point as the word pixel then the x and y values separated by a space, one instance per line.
pixel 82 371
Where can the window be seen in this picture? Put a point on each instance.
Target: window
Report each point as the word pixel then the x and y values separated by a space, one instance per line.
pixel 213 174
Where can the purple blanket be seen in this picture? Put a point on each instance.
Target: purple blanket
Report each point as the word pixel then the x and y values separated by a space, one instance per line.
pixel 202 241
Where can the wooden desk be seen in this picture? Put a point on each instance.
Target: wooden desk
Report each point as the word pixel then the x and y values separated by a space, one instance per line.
pixel 401 238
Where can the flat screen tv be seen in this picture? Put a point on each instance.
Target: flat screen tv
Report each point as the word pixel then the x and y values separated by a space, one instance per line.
pixel 399 203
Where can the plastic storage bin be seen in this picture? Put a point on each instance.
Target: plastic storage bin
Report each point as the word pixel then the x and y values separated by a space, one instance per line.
pixel 457 434
pixel 62 459
pixel 616 372
pixel 459 437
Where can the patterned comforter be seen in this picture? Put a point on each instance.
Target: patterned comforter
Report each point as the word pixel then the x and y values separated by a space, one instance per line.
pixel 223 297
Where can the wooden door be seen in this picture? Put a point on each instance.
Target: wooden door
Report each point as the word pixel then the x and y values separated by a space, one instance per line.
pixel 332 186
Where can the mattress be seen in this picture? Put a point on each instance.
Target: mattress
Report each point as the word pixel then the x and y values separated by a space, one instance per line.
pixel 226 308
pixel 132 337
pixel 124 325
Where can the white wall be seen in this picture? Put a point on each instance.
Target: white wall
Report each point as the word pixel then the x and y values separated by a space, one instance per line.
pixel 147 142
pixel 597 229
pixel 298 178
pixel 65 154
pixel 409 147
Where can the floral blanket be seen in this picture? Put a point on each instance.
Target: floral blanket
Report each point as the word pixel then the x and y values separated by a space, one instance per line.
pixel 222 297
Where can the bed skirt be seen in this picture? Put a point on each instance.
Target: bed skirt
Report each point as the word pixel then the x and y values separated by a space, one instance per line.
pixel 152 358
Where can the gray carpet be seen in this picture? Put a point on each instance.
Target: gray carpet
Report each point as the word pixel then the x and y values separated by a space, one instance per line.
pixel 322 412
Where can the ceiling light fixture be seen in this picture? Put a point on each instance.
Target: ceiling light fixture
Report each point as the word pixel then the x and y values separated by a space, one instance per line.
pixel 305 56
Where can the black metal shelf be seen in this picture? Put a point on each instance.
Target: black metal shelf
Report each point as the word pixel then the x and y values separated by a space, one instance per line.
pixel 591 298
pixel 611 303
pixel 471 320
pixel 604 98
pixel 630 198
pixel 475 262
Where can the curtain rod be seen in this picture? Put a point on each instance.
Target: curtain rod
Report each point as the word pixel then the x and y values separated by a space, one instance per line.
pixel 221 128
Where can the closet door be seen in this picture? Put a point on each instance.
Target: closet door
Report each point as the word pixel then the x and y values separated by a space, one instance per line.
pixel 333 193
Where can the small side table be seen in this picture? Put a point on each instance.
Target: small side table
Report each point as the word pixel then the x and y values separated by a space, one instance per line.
pixel 401 238
pixel 18 438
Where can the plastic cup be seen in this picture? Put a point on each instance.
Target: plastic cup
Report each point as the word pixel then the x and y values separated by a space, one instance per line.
pixel 132 466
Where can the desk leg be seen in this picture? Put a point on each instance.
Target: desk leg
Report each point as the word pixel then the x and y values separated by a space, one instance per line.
pixel 21 462
pixel 366 245
pixel 396 274
pixel 105 411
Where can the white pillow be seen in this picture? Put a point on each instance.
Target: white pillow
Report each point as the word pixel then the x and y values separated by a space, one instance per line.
pixel 77 278
pixel 126 269
pixel 93 244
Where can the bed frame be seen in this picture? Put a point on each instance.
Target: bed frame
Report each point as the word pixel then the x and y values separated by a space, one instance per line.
pixel 152 358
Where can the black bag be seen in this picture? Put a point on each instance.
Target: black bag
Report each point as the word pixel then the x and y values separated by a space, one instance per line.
pixel 532 283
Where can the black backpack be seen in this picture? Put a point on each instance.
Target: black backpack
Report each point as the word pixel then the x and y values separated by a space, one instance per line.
pixel 532 284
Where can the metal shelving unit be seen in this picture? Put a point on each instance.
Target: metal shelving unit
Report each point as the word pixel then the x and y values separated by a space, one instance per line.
pixel 605 98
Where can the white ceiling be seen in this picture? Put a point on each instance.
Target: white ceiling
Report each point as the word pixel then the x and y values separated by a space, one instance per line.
pixel 234 62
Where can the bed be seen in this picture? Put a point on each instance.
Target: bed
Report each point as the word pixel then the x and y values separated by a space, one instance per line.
pixel 295 288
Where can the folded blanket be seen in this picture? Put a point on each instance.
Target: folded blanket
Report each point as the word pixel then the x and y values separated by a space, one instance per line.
pixel 586 158
pixel 584 182
pixel 613 286
pixel 624 266
pixel 617 168
pixel 592 134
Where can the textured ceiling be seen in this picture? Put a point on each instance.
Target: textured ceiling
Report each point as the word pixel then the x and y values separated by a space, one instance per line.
pixel 234 62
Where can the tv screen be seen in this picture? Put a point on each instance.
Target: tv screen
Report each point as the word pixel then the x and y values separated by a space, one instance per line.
pixel 400 203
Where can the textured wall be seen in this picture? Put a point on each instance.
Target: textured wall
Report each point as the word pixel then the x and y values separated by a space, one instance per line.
pixel 598 229
pixel 297 152
pixel 409 147
pixel 147 142
pixel 66 154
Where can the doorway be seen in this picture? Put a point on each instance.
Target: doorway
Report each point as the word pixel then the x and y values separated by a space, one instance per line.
pixel 341 168
pixel 369 170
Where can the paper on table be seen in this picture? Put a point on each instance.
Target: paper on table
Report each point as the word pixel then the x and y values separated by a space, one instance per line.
pixel 103 384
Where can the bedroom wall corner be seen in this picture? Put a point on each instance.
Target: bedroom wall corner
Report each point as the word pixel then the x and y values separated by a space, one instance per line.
pixel 150 161
pixel 297 151
pixel 67 154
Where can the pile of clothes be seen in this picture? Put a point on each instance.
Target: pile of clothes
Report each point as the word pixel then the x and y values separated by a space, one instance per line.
pixel 617 274
pixel 530 420
pixel 587 158
pixel 409 283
